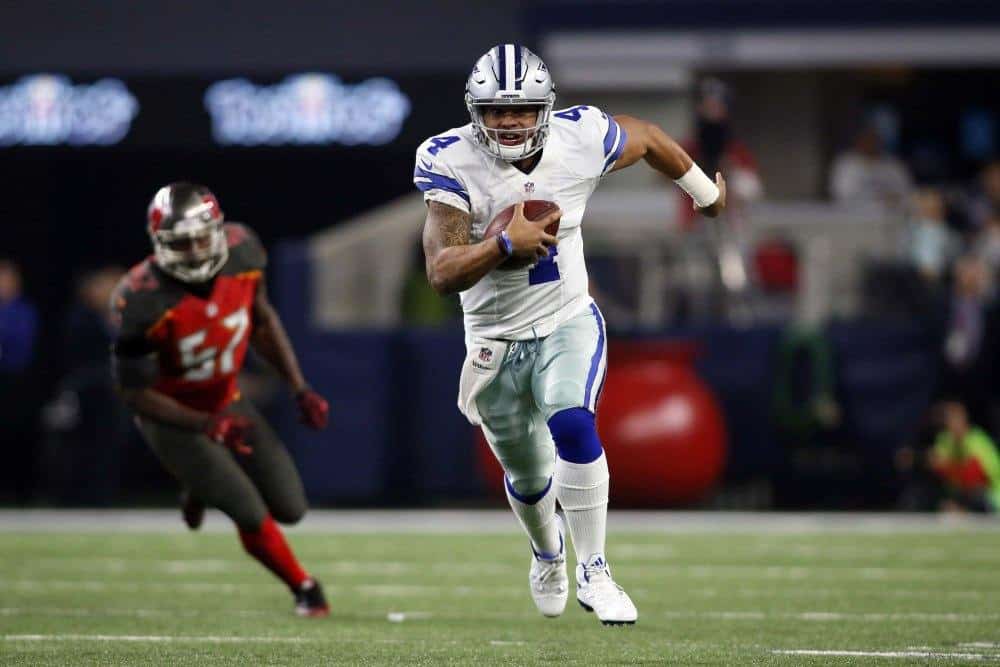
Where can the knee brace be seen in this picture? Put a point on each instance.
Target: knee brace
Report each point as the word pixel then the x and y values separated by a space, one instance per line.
pixel 528 490
pixel 575 434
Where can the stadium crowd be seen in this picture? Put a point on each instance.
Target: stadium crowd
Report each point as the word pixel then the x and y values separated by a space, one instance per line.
pixel 947 274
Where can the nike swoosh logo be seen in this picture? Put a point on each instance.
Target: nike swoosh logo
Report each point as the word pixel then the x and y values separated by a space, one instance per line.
pixel 427 165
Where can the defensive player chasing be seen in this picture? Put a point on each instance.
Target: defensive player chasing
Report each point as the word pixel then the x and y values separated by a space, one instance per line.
pixel 186 316
pixel 535 339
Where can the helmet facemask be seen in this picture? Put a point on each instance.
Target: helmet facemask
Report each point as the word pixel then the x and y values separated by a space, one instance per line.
pixel 488 138
pixel 193 251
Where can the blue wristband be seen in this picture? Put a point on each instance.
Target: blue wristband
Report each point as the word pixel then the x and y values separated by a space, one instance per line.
pixel 506 246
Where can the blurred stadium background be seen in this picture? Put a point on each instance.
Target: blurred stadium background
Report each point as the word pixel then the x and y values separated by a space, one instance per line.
pixel 786 357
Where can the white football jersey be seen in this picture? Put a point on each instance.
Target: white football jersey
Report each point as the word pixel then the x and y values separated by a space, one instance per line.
pixel 451 168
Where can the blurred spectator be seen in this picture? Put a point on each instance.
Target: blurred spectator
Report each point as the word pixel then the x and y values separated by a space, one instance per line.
pixel 715 147
pixel 985 203
pixel 986 244
pixel 89 321
pixel 18 333
pixel 920 489
pixel 776 264
pixel 970 339
pixel 86 424
pixel 18 321
pixel 965 459
pixel 866 173
pixel 931 245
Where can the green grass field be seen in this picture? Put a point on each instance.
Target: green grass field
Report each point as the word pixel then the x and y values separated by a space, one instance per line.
pixel 736 596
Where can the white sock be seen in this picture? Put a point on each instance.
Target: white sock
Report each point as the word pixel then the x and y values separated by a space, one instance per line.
pixel 538 521
pixel 582 489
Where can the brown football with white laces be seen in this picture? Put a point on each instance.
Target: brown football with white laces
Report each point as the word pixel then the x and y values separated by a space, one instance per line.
pixel 534 209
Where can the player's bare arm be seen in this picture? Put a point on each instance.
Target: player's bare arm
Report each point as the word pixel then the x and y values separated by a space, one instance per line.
pixel 270 340
pixel 454 264
pixel 649 142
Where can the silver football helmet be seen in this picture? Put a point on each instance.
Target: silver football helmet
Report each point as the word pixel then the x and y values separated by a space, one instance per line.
pixel 510 75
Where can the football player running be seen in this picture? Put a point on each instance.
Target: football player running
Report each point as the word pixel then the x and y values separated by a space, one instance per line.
pixel 186 316
pixel 536 343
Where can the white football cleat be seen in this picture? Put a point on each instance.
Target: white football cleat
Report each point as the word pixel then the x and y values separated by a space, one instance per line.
pixel 596 591
pixel 548 580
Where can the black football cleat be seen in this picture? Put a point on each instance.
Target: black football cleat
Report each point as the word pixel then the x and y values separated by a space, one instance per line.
pixel 310 601
pixel 192 509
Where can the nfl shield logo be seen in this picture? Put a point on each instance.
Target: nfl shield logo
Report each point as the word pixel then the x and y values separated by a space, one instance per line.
pixel 485 355
pixel 529 188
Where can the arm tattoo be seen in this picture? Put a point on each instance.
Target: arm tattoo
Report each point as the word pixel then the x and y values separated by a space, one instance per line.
pixel 446 226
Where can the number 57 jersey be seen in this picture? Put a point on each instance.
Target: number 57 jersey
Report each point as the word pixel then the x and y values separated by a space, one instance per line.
pixel 199 333
pixel 583 145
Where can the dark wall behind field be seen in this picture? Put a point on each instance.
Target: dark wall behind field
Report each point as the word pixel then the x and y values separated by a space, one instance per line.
pixel 186 36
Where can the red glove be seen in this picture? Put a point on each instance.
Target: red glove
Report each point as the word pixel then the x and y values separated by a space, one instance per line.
pixel 314 411
pixel 230 431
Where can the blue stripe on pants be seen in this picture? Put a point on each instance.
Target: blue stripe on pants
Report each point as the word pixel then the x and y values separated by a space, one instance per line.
pixel 595 361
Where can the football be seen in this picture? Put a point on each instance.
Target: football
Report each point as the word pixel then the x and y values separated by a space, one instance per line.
pixel 533 210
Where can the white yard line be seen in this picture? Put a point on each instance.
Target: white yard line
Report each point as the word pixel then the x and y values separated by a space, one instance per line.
pixel 502 521
pixel 391 616
pixel 639 558
pixel 733 615
pixel 420 590
pixel 210 639
pixel 884 654
pixel 199 587
pixel 837 616
pixel 125 587
pixel 242 564
pixel 83 612
pixel 840 552
pixel 220 639
pixel 811 592
pixel 399 568
pixel 801 572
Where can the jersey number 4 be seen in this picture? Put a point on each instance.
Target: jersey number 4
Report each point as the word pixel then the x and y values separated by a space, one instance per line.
pixel 546 271
pixel 437 143
pixel 572 113
pixel 201 364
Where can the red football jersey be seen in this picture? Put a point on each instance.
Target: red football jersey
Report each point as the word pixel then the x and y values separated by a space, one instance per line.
pixel 199 336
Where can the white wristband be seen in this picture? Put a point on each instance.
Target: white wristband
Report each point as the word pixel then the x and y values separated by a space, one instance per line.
pixel 702 190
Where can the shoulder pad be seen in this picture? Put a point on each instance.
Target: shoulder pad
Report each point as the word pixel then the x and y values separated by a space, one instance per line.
pixel 596 139
pixel 140 300
pixel 438 169
pixel 246 252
